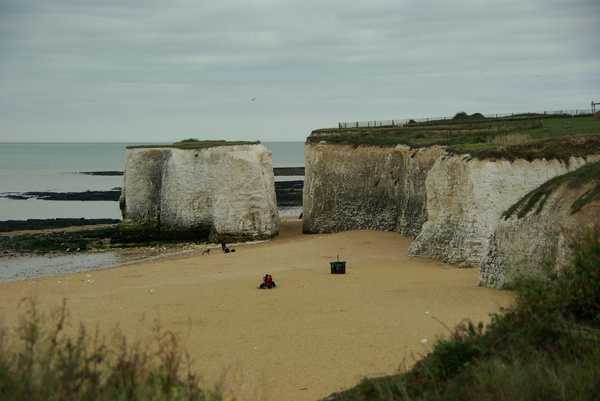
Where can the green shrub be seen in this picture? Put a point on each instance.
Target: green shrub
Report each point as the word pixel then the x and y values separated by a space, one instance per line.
pixel 39 361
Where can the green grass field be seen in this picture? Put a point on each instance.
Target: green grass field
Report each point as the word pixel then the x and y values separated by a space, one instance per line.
pixel 483 137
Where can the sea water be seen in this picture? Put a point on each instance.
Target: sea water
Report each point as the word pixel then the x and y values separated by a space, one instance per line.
pixel 58 167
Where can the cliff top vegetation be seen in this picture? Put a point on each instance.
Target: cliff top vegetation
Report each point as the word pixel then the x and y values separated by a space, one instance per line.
pixel 192 143
pixel 526 136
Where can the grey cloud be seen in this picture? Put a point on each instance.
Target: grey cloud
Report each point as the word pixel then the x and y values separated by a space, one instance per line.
pixel 194 64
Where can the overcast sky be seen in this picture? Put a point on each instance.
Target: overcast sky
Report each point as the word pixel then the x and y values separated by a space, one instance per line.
pixel 155 71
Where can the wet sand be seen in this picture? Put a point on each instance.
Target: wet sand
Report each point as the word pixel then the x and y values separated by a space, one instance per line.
pixel 314 334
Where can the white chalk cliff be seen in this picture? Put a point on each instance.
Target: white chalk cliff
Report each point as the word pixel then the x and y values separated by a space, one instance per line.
pixel 228 188
pixel 451 205
pixel 538 232
pixel 348 188
pixel 466 197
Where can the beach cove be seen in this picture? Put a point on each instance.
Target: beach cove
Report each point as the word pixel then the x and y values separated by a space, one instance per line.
pixel 314 334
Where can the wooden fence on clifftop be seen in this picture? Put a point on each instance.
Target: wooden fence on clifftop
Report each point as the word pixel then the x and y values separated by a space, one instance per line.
pixel 451 120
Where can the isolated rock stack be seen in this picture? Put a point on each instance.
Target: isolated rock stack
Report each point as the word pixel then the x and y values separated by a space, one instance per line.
pixel 227 188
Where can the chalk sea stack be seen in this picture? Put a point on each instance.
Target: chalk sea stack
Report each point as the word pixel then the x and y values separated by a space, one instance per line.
pixel 227 186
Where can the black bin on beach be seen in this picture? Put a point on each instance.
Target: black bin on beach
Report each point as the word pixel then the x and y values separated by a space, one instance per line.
pixel 338 267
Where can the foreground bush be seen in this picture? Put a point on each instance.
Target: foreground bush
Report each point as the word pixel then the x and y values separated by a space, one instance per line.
pixel 545 347
pixel 41 362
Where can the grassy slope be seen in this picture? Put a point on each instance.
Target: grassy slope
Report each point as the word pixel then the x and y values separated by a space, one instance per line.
pixel 590 173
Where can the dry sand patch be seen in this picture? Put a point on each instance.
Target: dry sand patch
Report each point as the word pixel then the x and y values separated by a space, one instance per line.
pixel 316 333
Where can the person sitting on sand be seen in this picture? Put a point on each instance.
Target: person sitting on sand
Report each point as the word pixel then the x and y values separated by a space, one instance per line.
pixel 267 282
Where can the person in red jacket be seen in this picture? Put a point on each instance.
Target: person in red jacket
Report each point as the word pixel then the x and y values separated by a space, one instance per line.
pixel 267 282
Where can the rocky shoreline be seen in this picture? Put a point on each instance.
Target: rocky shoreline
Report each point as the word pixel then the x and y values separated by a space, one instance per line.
pixel 112 195
pixel 44 224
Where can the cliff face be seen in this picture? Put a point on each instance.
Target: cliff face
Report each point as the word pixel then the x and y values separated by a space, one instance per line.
pixel 451 204
pixel 347 188
pixel 519 244
pixel 465 199
pixel 229 188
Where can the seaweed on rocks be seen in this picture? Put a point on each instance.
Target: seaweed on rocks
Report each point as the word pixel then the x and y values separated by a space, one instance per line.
pixel 289 193
pixel 43 224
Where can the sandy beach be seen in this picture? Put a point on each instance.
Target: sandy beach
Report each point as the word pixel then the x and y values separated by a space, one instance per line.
pixel 314 334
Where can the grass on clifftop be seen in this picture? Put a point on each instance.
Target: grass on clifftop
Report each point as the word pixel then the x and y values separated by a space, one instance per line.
pixel 528 136
pixel 536 199
pixel 197 144
pixel 544 347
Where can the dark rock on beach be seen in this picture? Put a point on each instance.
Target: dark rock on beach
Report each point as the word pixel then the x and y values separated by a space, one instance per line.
pixel 16 197
pixel 289 193
pixel 106 173
pixel 112 195
pixel 289 171
pixel 41 224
